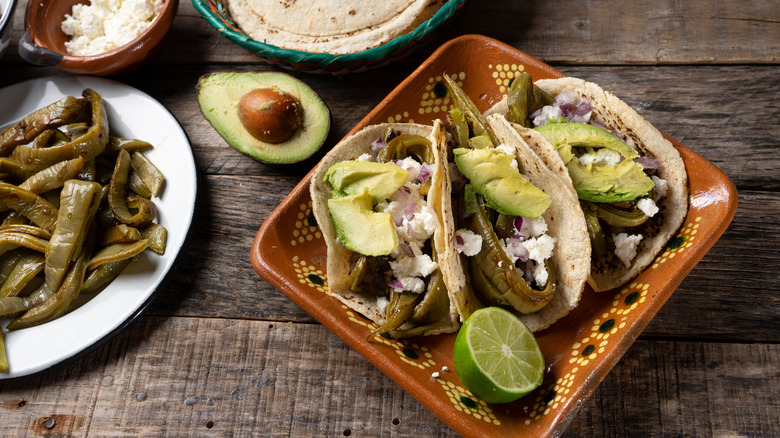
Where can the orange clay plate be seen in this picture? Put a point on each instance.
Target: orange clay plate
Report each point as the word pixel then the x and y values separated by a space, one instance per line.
pixel 580 349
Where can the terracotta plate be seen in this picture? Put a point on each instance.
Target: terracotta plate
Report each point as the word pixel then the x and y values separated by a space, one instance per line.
pixel 580 349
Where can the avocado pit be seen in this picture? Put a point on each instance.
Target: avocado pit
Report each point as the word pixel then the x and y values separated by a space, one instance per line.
pixel 270 114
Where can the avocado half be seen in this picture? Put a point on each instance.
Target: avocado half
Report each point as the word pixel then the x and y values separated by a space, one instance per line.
pixel 218 97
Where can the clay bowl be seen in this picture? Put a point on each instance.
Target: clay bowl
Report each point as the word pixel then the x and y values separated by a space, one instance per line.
pixel 43 42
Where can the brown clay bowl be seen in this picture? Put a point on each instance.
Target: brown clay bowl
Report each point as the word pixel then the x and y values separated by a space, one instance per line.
pixel 43 42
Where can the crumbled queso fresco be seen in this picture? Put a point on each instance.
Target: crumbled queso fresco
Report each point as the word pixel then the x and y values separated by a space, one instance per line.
pixel 105 25
pixel 579 111
pixel 415 224
pixel 530 243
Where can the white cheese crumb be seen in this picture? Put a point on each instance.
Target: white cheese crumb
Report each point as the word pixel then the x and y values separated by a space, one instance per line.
pixel 509 150
pixel 472 242
pixel 604 157
pixel 647 206
pixel 435 374
pixel 105 25
pixel 540 249
pixel 625 246
pixel 444 368
pixel 661 186
pixel 533 227
pixel 412 284
pixel 409 270
pixel 549 112
pixel 410 165
pixel 365 157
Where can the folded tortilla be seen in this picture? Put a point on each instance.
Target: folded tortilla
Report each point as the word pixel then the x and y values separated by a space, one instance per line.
pixel 616 115
pixel 565 223
pixel 330 26
pixel 372 305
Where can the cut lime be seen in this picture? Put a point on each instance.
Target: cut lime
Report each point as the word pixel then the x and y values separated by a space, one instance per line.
pixel 496 357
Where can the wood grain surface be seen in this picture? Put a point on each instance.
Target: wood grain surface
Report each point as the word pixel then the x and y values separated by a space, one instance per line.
pixel 222 353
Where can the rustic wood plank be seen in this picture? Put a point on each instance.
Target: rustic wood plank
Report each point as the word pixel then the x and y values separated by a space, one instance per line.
pixel 244 378
pixel 216 278
pixel 686 389
pixel 614 32
pixel 691 104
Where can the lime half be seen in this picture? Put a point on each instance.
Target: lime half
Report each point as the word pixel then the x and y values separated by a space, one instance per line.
pixel 496 357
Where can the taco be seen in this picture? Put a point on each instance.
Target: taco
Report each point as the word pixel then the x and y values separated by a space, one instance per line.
pixel 377 199
pixel 631 181
pixel 516 237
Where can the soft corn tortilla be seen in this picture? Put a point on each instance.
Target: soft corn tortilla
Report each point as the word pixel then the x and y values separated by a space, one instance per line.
pixel 338 266
pixel 330 26
pixel 617 115
pixel 565 222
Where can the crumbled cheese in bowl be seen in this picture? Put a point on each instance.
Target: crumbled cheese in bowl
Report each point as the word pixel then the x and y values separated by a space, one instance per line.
pixel 105 25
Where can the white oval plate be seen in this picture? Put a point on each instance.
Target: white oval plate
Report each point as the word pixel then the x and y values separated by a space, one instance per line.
pixel 131 114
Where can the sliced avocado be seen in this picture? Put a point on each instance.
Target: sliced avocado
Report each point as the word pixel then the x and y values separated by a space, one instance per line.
pixel 583 134
pixel 353 177
pixel 359 228
pixel 502 186
pixel 219 95
pixel 623 181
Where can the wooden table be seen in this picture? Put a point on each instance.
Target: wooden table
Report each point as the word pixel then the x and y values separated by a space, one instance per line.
pixel 222 353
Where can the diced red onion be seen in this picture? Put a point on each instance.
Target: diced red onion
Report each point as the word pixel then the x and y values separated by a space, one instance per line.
pixel 459 242
pixel 518 223
pixel 516 248
pixel 583 108
pixel 395 284
pixel 568 109
pixel 566 97
pixel 648 162
pixel 378 145
pixel 406 249
pixel 424 174
pixel 398 220
pixel 406 189
pixel 410 209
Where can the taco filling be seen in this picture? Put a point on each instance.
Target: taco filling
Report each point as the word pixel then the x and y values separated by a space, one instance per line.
pixel 501 219
pixel 380 212
pixel 618 165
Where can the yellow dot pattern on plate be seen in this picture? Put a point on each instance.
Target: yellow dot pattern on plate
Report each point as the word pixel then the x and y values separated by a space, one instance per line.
pixel 465 402
pixel 352 316
pixel 430 103
pixel 309 275
pixel 586 352
pixel 400 118
pixel 678 244
pixel 306 229
pixel 504 73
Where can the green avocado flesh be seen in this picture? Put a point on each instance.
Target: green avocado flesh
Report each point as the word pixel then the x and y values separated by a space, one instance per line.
pixel 502 186
pixel 218 97
pixel 353 177
pixel 359 228
pixel 624 181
